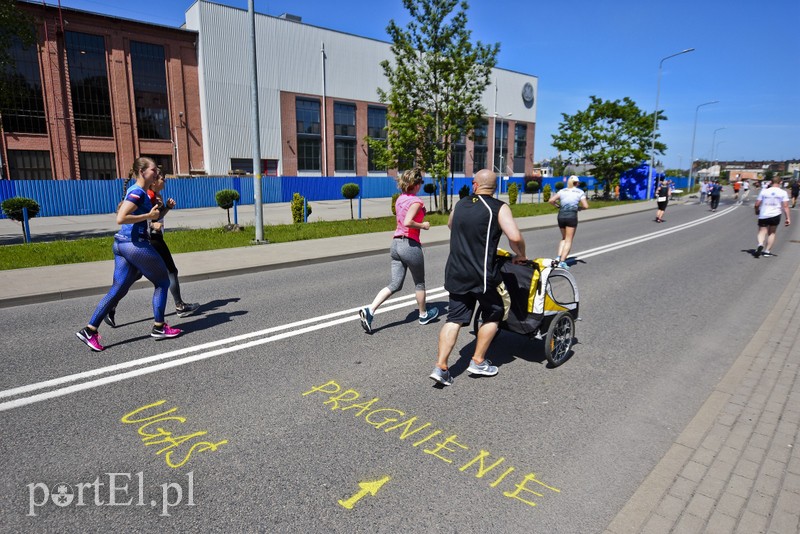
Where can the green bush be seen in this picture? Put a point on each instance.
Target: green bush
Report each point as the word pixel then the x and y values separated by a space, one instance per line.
pixel 546 192
pixel 297 208
pixel 463 192
pixel 12 208
pixel 532 187
pixel 513 192
pixel 350 191
pixel 559 186
pixel 394 199
pixel 582 185
pixel 225 199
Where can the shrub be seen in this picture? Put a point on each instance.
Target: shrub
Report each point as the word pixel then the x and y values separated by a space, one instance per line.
pixel 463 192
pixel 12 208
pixel 394 199
pixel 546 192
pixel 225 199
pixel 350 191
pixel 582 185
pixel 532 187
pixel 513 192
pixel 297 208
pixel 559 186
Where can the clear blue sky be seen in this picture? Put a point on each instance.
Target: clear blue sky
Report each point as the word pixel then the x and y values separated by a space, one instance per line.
pixel 747 56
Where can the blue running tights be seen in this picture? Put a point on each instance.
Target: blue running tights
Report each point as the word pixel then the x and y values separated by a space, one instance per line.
pixel 131 261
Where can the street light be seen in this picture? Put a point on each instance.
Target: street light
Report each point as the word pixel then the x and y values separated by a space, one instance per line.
pixel 713 139
pixel 694 134
pixel 716 148
pixel 655 122
pixel 500 169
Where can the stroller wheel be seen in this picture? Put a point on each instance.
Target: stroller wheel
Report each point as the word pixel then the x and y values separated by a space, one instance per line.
pixel 558 342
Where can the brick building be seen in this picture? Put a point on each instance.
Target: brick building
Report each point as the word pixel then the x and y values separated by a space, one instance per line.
pixel 95 92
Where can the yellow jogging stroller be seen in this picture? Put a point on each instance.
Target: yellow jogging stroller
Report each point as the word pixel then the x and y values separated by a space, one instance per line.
pixel 542 303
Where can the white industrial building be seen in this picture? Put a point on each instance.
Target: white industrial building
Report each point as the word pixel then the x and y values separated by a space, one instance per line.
pixel 318 100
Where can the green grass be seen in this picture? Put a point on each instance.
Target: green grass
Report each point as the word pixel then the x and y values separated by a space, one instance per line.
pixel 99 248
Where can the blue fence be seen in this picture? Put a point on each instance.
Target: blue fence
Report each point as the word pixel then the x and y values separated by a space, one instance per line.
pixel 84 197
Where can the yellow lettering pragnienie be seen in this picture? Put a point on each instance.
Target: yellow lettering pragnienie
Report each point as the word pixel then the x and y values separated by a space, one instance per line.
pixel 157 435
pixel 446 449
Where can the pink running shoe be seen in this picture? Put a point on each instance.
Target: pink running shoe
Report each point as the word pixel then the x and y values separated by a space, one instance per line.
pixel 91 339
pixel 165 331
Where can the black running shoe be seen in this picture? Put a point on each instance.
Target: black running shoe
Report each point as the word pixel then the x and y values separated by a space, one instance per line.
pixel 758 251
pixel 109 318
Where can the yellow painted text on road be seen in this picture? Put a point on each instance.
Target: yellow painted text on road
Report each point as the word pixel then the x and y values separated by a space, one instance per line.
pixel 173 445
pixel 527 488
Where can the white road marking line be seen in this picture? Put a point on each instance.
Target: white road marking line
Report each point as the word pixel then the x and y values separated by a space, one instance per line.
pixel 328 320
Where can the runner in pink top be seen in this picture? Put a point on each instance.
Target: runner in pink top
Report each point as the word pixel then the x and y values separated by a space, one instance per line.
pixel 406 250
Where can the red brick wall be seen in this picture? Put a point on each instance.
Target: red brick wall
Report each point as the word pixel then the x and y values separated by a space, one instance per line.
pixel 182 90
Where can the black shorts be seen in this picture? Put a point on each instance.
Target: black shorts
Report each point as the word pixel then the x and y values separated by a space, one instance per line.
pixel 462 306
pixel 772 221
pixel 662 205
pixel 567 222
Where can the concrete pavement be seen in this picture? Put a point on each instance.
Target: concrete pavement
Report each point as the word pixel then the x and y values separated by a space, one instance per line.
pixel 736 466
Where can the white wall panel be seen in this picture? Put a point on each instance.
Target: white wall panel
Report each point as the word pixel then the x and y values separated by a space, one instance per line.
pixel 289 59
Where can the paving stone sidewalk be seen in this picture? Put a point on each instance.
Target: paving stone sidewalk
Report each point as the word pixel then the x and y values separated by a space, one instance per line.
pixel 736 466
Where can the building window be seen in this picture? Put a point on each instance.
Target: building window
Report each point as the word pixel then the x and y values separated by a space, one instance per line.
pixel 162 162
pixel 98 165
pixel 29 165
pixel 150 90
pixel 344 136
pixel 269 167
pixel 501 147
pixel 376 129
pixel 25 111
pixel 91 104
pixel 458 155
pixel 309 139
pixel 520 146
pixel 480 149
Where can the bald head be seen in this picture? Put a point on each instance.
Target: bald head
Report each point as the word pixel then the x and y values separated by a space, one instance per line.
pixel 485 181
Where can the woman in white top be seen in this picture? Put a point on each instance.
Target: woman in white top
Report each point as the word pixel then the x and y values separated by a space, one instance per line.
pixel 569 201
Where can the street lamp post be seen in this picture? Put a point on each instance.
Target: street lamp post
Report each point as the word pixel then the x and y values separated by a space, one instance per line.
pixel 694 135
pixel 655 122
pixel 713 140
pixel 500 168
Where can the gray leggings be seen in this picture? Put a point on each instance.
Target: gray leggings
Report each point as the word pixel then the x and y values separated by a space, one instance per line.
pixel 407 254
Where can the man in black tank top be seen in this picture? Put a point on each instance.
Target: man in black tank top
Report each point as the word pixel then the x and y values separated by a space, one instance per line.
pixel 471 275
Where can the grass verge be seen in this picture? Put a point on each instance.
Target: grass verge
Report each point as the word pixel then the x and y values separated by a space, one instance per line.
pixel 99 248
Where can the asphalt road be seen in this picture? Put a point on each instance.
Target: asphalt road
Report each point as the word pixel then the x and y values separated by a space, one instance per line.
pixel 275 412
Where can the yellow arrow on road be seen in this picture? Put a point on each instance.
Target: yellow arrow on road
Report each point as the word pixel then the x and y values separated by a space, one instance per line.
pixel 366 488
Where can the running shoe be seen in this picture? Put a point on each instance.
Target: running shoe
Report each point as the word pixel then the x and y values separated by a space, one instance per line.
pixel 768 254
pixel 165 331
pixel 366 319
pixel 484 368
pixel 185 310
pixel 443 377
pixel 432 314
pixel 92 339
pixel 563 265
pixel 109 318
pixel 759 250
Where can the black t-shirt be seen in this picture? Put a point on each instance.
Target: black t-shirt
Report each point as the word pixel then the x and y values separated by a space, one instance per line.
pixel 663 191
pixel 474 235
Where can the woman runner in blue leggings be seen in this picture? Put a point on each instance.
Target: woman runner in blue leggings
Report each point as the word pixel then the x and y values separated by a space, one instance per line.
pixel 133 254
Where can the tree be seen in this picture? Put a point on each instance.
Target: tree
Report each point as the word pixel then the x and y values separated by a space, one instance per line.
pixel 12 208
pixel 436 82
pixel 225 199
pixel 14 25
pixel 613 136
pixel 350 191
pixel 558 165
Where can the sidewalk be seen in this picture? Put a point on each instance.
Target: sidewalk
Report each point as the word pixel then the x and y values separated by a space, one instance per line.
pixel 44 284
pixel 736 466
